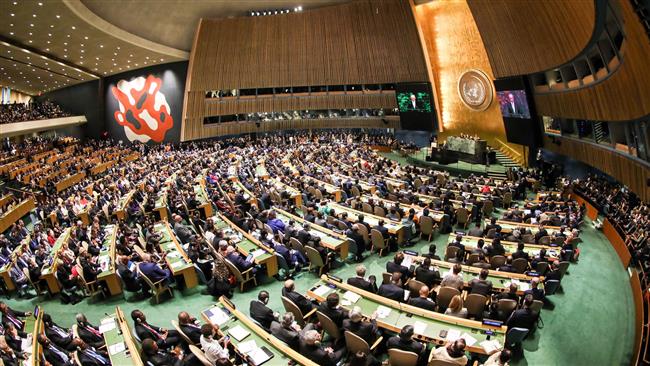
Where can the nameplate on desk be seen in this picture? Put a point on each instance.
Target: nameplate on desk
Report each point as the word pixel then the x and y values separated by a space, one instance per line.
pixel 334 278
pixel 492 323
pixel 459 232
pixel 411 252
pixel 532 274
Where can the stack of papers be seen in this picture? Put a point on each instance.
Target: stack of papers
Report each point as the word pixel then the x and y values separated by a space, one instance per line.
pixel 408 261
pixel 469 340
pixel 257 253
pixel 490 346
pixel 259 356
pixel 247 346
pixel 419 327
pixel 321 290
pixel 116 348
pixel 177 264
pixel 218 317
pixel 452 335
pixel 351 297
pixel 107 326
pixel 238 333
pixel 383 312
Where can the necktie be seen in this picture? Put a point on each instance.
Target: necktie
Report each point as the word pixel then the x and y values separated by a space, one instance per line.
pixel 17 323
pixel 151 330
pixel 59 331
pixel 94 355
pixel 93 331
pixel 61 355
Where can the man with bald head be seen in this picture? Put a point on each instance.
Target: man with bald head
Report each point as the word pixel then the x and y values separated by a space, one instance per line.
pixel 152 270
pixel 189 325
pixel 423 301
pixel 366 330
pixel 289 291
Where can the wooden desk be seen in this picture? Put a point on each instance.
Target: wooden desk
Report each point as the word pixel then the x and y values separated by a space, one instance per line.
pixel 69 181
pixel 177 260
pixel 247 244
pixel 261 172
pixel 402 314
pixel 34 326
pixel 6 269
pixel 295 194
pixel 365 186
pixel 394 227
pixel 329 188
pixel 123 205
pixel 471 242
pixel 508 226
pixel 500 280
pixel 120 337
pixel 20 210
pixel 425 198
pixel 161 204
pixel 107 261
pixel 202 197
pixel 328 238
pixel 435 215
pixel 48 272
pixel 283 355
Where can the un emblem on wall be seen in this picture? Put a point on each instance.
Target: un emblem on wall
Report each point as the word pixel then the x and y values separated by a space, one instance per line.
pixel 475 90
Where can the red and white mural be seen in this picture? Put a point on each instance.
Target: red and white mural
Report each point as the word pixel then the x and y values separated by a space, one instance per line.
pixel 143 109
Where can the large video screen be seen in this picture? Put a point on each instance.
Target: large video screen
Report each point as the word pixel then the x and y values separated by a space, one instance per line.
pixel 513 104
pixel 414 103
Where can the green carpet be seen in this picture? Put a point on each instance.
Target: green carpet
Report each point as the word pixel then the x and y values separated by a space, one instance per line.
pixel 421 155
pixel 592 322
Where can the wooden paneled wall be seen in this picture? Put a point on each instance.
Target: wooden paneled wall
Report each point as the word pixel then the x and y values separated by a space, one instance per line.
pixel 454 46
pixel 624 96
pixel 237 128
pixel 522 37
pixel 628 171
pixel 362 42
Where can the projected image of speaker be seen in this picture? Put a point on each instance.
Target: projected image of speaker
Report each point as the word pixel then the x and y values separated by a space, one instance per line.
pixel 415 105
pixel 514 97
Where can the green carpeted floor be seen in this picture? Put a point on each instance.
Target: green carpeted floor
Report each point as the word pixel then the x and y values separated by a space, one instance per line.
pixel 592 322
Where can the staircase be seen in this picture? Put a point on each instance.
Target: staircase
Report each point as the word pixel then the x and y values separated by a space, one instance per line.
pixel 599 131
pixel 503 161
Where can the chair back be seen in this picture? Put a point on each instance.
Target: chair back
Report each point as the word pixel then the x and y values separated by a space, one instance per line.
pixel 441 363
pixel 488 207
pixel 564 266
pixel 497 261
pixel 366 207
pixel 363 230
pixel 515 336
pixel 491 233
pixel 75 357
pixel 354 343
pixel 507 199
pixel 537 306
pixel 545 240
pixel 451 252
pixel 507 306
pixel 397 357
pixel 541 268
pixel 379 211
pixel 417 183
pixel 475 304
pixel 528 238
pixel 315 259
pixel 473 258
pixel 282 262
pixel 520 265
pixel 386 277
pixel 296 245
pixel 444 296
pixel 426 225
pixel 355 191
pixel 328 325
pixel 415 286
pixel 268 229
pixel 377 239
pixel 200 355
pixel 462 215
pixel 234 270
pixel 147 279
pixel 341 225
pixel 182 334
pixel 291 307
pixel 551 286
pixel 200 274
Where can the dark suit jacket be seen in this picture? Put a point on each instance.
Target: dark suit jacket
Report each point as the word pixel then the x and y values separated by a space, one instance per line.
pixel 288 336
pixel 59 340
pixel 89 337
pixel 409 346
pixel 193 332
pixel 317 354
pixel 366 330
pixel 153 271
pixel 383 230
pixel 394 267
pixel 144 333
pixel 391 291
pixel 53 358
pixel 302 302
pixel 87 360
pixel 130 280
pixel 363 284
pixel 162 358
pixel 337 315
pixel 239 261
pixel 261 313
pixel 481 287
pixel 522 318
pixel 16 315
pixel 423 303
pixel 427 276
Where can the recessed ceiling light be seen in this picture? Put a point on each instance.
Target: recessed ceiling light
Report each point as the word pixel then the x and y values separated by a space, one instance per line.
pixel 11 33
pixel 30 41
pixel 48 42
pixel 47 49
pixel 51 25
pixel 66 56
pixel 30 33
pixel 65 43
pixel 40 4
pixel 81 62
pixel 73 27
pixel 12 14
pixel 31 24
pixel 118 47
pixel 49 34
pixel 67 35
pixel 101 46
pixel 34 15
pixel 58 17
pixel 82 51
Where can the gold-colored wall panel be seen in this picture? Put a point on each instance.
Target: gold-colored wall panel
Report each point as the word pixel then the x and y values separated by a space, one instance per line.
pixel 454 46
pixel 624 96
pixel 523 36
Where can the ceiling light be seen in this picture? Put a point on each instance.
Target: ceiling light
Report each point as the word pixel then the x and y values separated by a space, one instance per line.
pixel 86 37
pixel 31 24
pixel 30 41
pixel 118 47
pixel 51 25
pixel 58 17
pixel 30 33
pixel 12 14
pixel 68 35
pixel 34 15
pixel 65 43
pixel 40 4
pixel 11 33
pixel 48 42
pixel 101 46
pixel 73 27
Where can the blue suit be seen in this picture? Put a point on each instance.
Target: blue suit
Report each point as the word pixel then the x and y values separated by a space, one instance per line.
pixel 154 272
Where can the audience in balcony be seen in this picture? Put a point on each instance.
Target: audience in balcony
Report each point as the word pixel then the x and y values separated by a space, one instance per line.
pixel 19 112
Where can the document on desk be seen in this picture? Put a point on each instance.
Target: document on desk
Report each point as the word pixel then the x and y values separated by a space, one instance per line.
pixel 469 340
pixel 107 326
pixel 383 312
pixel 258 252
pixel 419 327
pixel 452 335
pixel 218 317
pixel 260 355
pixel 177 264
pixel 408 260
pixel 321 290
pixel 238 333
pixel 351 297
pixel 490 346
pixel 245 347
pixel 116 348
pixel 406 294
